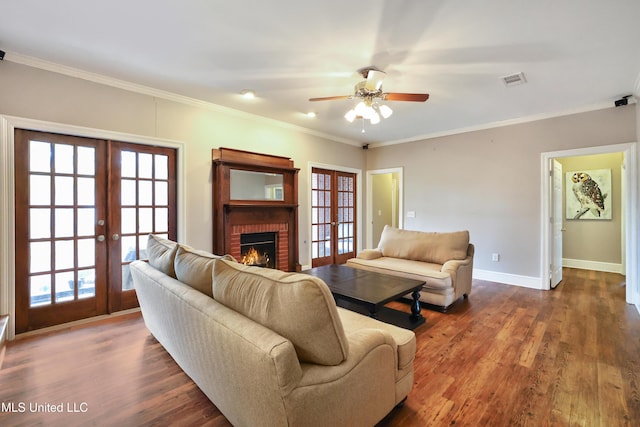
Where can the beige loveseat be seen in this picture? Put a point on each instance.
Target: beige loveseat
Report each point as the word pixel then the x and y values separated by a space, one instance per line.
pixel 443 260
pixel 270 348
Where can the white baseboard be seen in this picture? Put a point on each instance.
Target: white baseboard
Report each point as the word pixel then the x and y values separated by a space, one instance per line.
pixel 508 279
pixel 593 265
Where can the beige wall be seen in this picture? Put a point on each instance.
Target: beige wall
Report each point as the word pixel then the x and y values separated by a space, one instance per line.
pixel 489 181
pixel 595 240
pixel 37 94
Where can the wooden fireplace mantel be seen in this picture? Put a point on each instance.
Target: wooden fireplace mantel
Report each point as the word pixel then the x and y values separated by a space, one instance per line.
pixel 229 214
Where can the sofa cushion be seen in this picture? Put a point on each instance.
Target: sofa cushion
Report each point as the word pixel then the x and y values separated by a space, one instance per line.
pixel 297 306
pixel 194 267
pixel 424 246
pixel 161 253
pixel 431 273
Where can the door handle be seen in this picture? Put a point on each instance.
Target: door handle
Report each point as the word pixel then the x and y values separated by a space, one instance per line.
pixel 115 237
pixel 101 238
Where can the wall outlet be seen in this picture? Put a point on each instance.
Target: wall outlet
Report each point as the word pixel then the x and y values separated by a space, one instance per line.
pixel 411 214
pixel 495 257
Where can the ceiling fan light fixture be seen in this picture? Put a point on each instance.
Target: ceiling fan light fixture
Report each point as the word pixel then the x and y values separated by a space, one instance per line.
pixel 351 115
pixel 374 118
pixel 360 109
pixel 385 111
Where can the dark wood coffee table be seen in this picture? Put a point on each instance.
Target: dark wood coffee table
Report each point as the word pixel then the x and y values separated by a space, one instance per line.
pixel 367 292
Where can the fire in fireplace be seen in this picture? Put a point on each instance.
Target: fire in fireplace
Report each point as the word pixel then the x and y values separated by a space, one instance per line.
pixel 258 249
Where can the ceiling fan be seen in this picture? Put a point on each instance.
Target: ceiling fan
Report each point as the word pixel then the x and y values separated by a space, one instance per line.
pixel 370 92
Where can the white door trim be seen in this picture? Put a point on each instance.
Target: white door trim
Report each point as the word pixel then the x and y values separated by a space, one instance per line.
pixel 8 124
pixel 631 212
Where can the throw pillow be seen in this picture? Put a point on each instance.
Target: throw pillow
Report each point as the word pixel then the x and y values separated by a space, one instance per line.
pixel 194 267
pixel 161 253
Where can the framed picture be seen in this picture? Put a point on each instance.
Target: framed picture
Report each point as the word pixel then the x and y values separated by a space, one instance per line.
pixel 588 194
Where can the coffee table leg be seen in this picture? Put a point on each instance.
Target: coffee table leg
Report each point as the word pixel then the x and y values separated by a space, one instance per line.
pixel 415 307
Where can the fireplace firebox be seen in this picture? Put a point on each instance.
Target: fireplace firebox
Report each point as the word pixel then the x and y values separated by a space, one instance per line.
pixel 259 249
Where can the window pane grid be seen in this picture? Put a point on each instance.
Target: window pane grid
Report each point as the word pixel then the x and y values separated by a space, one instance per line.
pixel 144 205
pixel 61 196
pixel 320 215
pixel 346 229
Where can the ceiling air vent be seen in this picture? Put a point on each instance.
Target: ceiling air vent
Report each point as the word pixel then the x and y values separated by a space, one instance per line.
pixel 514 79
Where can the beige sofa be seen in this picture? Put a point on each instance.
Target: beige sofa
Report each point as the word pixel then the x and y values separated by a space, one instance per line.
pixel 443 260
pixel 271 348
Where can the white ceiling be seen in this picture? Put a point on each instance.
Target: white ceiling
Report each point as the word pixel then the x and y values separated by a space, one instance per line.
pixel 576 55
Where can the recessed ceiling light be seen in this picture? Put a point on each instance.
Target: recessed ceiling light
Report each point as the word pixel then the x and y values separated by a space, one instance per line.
pixel 311 114
pixel 248 94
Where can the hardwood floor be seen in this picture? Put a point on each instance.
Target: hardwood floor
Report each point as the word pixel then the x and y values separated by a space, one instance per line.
pixel 508 356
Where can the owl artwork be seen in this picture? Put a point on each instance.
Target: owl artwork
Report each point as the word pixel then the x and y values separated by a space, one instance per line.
pixel 588 194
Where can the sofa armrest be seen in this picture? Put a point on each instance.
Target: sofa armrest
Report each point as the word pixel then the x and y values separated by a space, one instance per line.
pixel 361 344
pixel 370 254
pixel 461 272
pixel 362 389
pixel 452 266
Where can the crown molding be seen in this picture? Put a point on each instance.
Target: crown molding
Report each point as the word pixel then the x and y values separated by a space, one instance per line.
pixel 493 125
pixel 162 94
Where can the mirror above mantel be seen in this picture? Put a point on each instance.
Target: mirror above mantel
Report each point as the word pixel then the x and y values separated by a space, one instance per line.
pixel 254 185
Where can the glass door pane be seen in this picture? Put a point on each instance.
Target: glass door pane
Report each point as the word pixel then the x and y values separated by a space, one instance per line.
pixel 60 195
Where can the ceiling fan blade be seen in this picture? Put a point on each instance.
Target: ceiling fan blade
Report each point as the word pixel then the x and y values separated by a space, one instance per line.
pixel 414 97
pixel 331 98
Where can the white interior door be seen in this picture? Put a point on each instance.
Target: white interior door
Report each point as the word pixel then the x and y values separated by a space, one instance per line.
pixel 556 223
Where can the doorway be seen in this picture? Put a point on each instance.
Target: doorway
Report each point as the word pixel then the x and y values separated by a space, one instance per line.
pixel 333 216
pixel 384 202
pixel 629 212
pixel 83 210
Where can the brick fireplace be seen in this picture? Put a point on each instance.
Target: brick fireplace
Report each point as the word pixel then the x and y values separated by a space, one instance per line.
pixel 281 232
pixel 270 208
